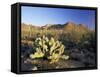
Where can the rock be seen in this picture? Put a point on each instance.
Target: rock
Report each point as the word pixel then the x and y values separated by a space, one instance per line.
pixel 77 56
pixel 84 56
pixel 35 68
pixel 57 67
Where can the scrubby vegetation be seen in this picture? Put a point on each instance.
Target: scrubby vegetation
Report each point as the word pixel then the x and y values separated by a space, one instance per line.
pixel 57 46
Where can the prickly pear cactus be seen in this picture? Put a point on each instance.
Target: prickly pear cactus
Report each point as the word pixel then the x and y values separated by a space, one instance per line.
pixel 49 48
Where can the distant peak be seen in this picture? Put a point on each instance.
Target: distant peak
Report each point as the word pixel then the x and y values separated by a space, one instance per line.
pixel 48 24
pixel 69 23
pixel 82 25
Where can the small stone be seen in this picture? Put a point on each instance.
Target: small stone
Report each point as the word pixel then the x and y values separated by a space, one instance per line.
pixel 34 68
pixel 57 67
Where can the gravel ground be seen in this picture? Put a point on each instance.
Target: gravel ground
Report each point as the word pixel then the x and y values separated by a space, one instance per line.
pixel 44 64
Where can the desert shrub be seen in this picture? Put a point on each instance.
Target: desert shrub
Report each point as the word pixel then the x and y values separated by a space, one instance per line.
pixel 88 41
pixel 67 40
pixel 50 49
pixel 55 33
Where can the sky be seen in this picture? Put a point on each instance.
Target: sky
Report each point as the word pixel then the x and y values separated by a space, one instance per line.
pixel 41 16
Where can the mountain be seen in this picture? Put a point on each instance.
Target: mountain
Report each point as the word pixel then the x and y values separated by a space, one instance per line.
pixel 26 27
pixel 69 26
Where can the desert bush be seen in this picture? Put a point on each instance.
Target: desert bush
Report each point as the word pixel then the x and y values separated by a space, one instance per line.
pixel 88 41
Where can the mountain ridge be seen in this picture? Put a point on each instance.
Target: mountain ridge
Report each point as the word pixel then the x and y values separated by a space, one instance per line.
pixel 57 26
